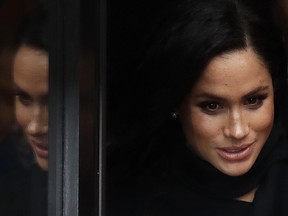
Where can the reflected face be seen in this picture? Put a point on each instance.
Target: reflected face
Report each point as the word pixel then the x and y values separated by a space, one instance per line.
pixel 30 74
pixel 229 113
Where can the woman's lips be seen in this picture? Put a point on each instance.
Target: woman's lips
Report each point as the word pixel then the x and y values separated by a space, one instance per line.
pixel 40 149
pixel 235 153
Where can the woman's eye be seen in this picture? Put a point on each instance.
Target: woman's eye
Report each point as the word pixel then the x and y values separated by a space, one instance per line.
pixel 23 99
pixel 252 101
pixel 211 107
pixel 255 101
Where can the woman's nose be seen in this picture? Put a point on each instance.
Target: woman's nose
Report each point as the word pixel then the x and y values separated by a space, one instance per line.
pixel 38 124
pixel 237 126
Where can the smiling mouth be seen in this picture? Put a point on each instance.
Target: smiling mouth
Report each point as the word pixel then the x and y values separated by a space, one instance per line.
pixel 236 153
pixel 40 149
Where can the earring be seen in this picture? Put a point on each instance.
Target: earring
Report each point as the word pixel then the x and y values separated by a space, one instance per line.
pixel 174 115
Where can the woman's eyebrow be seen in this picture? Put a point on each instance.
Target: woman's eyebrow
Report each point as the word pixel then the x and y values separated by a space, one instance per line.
pixel 17 89
pixel 209 96
pixel 255 91
pixel 216 97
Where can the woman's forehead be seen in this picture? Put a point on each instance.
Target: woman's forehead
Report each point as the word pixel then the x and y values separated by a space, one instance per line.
pixel 239 69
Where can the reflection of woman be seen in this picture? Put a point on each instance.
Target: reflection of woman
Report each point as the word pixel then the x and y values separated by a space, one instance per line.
pixel 30 74
pixel 219 68
pixel 26 193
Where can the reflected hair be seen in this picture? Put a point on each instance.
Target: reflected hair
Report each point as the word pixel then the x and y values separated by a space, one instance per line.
pixel 33 31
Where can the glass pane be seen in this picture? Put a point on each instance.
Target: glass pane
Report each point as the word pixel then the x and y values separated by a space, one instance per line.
pixel 74 111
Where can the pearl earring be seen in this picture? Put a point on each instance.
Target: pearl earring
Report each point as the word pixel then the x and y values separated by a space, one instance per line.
pixel 174 115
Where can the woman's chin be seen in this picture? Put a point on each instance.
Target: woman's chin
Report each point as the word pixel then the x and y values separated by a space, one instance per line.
pixel 236 169
pixel 43 163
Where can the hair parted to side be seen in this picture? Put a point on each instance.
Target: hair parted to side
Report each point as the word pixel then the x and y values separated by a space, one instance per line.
pixel 192 33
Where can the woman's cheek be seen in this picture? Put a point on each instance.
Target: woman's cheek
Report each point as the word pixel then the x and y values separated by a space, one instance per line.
pixel 22 114
pixel 201 129
pixel 264 119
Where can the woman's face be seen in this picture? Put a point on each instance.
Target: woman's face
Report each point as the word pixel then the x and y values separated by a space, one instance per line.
pixel 30 74
pixel 228 115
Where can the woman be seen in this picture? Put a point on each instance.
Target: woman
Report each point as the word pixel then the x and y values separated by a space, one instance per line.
pixel 209 138
pixel 30 74
pixel 26 193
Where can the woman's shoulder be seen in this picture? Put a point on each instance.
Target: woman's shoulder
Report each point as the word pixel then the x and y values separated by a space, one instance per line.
pixel 272 194
pixel 130 195
pixel 21 190
pixel 14 192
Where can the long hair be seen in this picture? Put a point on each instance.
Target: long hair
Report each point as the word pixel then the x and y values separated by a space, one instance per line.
pixel 191 35
pixel 34 29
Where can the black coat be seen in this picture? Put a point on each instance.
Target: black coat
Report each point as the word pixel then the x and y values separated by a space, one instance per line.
pixel 172 186
pixel 25 193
